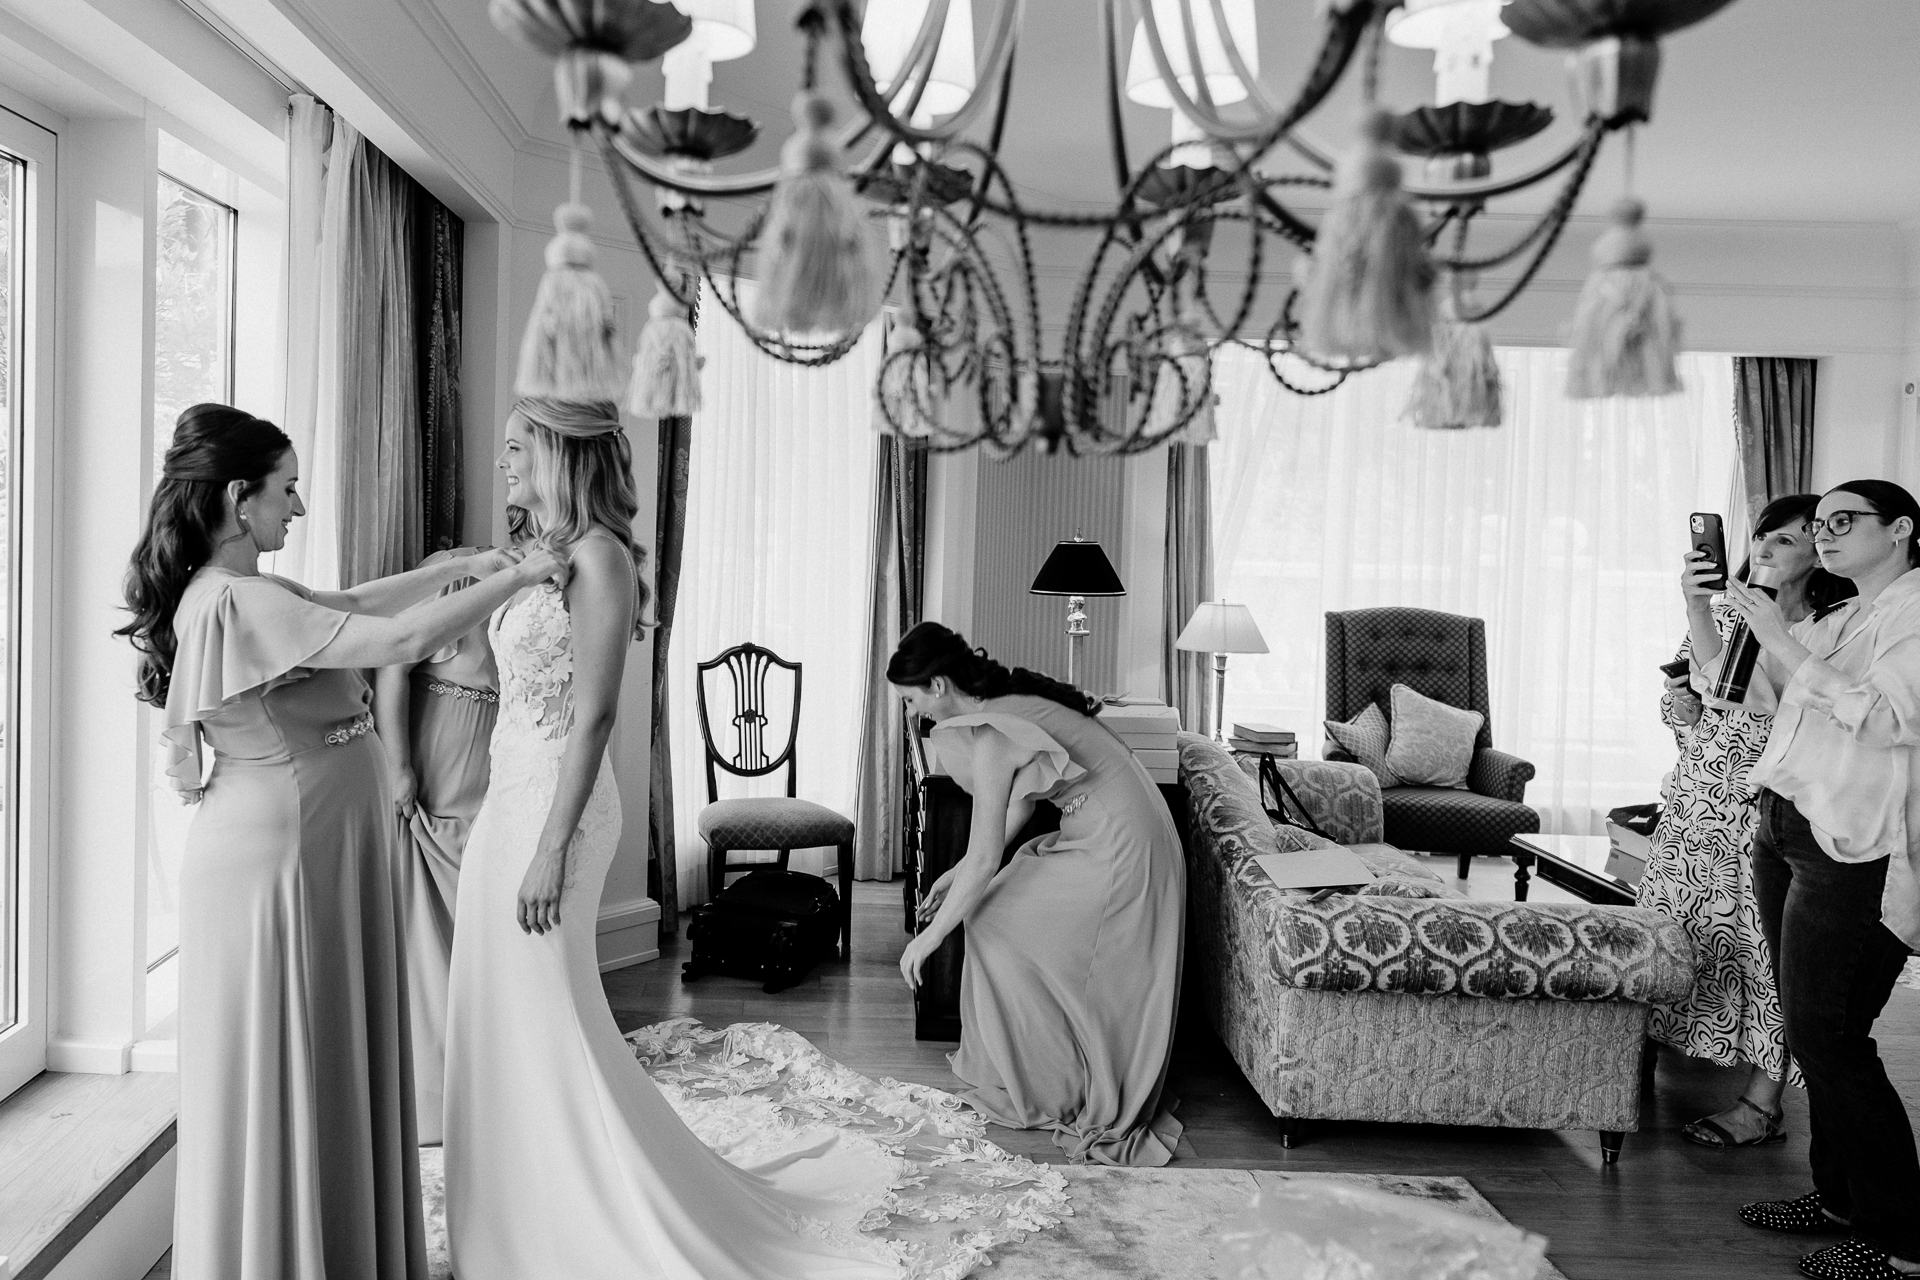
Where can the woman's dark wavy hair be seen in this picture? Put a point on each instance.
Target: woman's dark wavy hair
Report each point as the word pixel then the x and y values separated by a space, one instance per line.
pixel 1825 591
pixel 931 650
pixel 213 445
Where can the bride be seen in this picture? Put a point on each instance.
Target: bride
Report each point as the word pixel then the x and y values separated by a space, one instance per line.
pixel 753 1156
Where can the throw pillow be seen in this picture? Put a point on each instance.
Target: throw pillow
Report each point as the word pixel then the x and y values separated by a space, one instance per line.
pixel 1365 739
pixel 1432 742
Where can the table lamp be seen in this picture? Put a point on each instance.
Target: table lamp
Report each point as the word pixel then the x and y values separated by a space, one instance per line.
pixel 1219 628
pixel 1076 569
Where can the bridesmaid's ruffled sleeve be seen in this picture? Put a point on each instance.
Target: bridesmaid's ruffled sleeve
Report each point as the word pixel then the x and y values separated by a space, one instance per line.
pixel 1040 764
pixel 241 634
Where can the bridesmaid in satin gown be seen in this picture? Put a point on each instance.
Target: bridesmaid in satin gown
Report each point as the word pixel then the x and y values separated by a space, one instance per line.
pixel 1072 975
pixel 436 720
pixel 297 1156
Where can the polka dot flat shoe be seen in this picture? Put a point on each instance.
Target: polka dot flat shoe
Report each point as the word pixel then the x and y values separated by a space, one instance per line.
pixel 1797 1217
pixel 1850 1260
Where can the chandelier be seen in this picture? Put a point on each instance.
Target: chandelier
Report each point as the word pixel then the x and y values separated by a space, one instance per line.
pixel 907 206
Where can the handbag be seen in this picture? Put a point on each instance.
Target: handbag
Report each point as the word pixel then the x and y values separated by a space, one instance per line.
pixel 1282 803
pixel 771 925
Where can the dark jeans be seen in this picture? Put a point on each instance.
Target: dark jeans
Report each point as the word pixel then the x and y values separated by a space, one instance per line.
pixel 1835 965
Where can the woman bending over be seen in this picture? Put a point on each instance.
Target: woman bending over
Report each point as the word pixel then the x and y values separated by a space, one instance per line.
pixel 1072 975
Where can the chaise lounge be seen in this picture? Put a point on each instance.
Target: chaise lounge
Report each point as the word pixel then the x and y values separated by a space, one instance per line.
pixel 1409 1002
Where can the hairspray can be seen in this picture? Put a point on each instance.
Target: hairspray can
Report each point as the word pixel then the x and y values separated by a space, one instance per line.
pixel 1742 649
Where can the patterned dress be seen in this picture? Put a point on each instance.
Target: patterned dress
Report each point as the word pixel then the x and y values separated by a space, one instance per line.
pixel 1700 875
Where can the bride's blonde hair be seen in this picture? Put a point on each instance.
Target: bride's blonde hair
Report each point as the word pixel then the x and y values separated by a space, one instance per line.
pixel 583 473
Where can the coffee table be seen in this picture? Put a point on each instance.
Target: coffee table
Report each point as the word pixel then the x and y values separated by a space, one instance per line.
pixel 1577 864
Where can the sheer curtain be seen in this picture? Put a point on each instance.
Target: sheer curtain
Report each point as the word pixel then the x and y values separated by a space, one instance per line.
pixel 779 521
pixel 1563 529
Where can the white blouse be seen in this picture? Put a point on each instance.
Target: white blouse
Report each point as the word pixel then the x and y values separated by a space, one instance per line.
pixel 1846 724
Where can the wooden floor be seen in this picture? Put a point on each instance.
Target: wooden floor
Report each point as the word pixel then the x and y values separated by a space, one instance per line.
pixel 1667 1209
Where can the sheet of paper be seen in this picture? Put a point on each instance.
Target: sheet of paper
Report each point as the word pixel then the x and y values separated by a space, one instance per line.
pixel 1315 868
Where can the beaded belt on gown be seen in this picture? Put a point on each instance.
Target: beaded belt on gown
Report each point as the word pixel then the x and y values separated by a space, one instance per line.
pixel 447 689
pixel 358 727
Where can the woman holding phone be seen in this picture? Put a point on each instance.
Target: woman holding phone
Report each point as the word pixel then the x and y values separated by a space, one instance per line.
pixel 1836 864
pixel 1698 873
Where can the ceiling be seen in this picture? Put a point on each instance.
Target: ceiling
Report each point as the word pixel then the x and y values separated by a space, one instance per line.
pixel 1773 110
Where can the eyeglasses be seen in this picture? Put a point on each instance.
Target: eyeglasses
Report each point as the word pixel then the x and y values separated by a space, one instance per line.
pixel 1839 524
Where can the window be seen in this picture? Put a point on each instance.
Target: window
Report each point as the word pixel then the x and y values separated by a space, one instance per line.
pixel 192 304
pixel 26 236
pixel 12 189
pixel 1563 529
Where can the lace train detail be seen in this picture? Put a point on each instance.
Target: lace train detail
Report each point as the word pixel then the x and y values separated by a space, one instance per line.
pixel 754 1090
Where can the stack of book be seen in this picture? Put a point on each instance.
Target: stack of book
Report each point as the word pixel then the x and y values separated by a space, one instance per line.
pixel 1149 729
pixel 1264 740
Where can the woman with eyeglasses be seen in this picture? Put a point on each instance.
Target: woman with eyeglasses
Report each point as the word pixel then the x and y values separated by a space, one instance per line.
pixel 1699 872
pixel 1836 865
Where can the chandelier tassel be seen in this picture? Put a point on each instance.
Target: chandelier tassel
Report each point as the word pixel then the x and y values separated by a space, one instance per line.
pixel 1457 384
pixel 1369 284
pixel 567 351
pixel 666 368
pixel 818 272
pixel 1625 331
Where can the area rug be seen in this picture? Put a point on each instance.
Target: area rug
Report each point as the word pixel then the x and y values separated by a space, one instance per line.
pixel 1127 1224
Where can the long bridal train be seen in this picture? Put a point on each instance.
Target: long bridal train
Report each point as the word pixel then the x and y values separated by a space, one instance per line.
pixel 746 1155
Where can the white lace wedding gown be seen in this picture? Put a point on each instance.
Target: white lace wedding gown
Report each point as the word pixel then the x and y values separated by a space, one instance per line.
pixel 746 1153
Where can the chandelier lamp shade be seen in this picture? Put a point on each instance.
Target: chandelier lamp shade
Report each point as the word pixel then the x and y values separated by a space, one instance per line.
pixel 1223 84
pixel 888 33
pixel 1461 34
pixel 893 189
pixel 1076 569
pixel 1220 628
pixel 722 31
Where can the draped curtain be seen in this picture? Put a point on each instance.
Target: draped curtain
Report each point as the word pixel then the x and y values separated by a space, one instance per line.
pixel 373 357
pixel 779 517
pixel 1561 529
pixel 381 487
pixel 1773 413
pixel 898 558
pixel 669 540
pixel 439 239
pixel 1188 581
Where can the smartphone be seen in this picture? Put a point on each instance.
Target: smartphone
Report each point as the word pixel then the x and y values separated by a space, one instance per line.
pixel 1709 537
pixel 1678 667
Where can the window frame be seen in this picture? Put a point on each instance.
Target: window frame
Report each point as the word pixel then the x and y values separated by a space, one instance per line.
pixel 23 1046
pixel 232 335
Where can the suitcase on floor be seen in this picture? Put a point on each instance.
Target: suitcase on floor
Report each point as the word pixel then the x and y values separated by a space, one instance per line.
pixel 771 925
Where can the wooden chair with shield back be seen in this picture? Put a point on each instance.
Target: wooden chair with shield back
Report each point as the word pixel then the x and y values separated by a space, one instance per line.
pixel 753 683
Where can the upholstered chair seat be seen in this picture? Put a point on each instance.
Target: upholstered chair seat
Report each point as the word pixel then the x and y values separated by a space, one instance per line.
pixel 773 822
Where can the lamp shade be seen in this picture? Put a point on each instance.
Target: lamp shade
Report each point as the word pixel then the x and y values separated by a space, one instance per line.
pixel 1219 627
pixel 1077 568
pixel 1461 34
pixel 724 27
pixel 887 32
pixel 1144 84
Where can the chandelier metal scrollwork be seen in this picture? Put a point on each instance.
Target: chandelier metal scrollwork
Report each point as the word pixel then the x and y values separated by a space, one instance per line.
pixel 1186 257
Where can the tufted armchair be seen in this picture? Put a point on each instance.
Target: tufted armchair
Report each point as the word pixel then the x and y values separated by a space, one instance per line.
pixel 1443 656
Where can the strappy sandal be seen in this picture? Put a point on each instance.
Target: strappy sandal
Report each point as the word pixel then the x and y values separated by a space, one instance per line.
pixel 1709 1132
pixel 1796 1217
pixel 1851 1260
